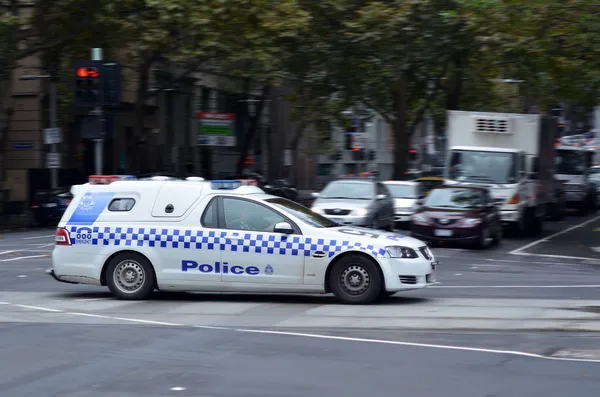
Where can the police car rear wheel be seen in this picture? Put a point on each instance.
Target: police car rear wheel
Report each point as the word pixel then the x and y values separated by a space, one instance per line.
pixel 356 280
pixel 130 276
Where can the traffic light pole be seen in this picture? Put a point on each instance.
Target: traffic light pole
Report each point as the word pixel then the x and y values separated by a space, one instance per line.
pixel 99 111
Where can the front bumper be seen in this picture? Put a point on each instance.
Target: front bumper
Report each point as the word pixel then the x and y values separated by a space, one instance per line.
pixel 350 220
pixel 440 234
pixel 403 217
pixel 509 216
pixel 409 274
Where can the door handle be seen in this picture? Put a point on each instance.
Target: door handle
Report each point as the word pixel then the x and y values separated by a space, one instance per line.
pixel 319 254
pixel 234 237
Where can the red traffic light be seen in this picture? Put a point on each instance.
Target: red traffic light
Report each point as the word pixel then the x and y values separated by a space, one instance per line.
pixel 87 72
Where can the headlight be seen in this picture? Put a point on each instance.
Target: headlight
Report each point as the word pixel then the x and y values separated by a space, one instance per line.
pixel 420 219
pixel 401 252
pixel 317 210
pixel 360 212
pixel 469 222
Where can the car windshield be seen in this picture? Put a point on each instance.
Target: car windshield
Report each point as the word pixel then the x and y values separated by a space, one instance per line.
pixel 348 190
pixel 595 177
pixel 403 191
pixel 301 212
pixel 569 162
pixel 454 198
pixel 483 166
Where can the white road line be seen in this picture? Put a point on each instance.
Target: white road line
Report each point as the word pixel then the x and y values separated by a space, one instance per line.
pixel 328 337
pixel 567 230
pixel 23 257
pixel 583 258
pixel 91 299
pixel 45 309
pixel 517 286
pixel 6 252
pixel 523 262
pixel 38 237
pixel 5 303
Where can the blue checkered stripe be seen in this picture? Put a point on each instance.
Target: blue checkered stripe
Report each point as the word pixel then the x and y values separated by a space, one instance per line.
pixel 218 240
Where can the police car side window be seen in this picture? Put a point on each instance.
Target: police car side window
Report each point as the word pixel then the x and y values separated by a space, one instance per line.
pixel 210 217
pixel 247 215
pixel 121 204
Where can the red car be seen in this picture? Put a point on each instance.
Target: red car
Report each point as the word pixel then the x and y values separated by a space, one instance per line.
pixel 458 213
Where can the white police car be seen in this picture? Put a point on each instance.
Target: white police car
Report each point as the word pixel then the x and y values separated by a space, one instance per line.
pixel 138 236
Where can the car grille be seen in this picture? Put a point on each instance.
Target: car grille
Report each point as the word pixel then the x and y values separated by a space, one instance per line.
pixel 408 279
pixel 337 212
pixel 425 252
pixel 447 222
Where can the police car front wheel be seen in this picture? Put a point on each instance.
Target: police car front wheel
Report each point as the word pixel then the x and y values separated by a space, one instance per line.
pixel 356 280
pixel 130 276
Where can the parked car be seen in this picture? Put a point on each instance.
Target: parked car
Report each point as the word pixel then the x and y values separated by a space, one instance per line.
pixel 356 201
pixel 279 187
pixel 463 214
pixel 48 207
pixel 406 196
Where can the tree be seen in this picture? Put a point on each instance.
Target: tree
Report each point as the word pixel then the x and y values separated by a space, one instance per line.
pixel 392 56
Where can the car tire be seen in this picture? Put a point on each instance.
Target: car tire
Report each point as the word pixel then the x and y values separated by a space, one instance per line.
pixel 356 280
pixel 130 276
pixel 481 242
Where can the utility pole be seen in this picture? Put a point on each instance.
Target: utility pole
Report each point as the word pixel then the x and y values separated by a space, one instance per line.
pixel 52 109
pixel 99 112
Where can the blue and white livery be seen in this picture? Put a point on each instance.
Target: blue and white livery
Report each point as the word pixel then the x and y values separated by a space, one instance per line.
pixel 225 236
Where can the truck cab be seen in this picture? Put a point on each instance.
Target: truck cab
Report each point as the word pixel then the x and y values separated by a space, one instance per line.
pixel 572 169
pixel 511 155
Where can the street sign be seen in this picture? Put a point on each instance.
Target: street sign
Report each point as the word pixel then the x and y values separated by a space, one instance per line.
pixel 53 160
pixel 216 129
pixel 52 136
pixel 359 140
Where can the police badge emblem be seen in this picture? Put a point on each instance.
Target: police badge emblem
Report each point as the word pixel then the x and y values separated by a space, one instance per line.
pixel 269 269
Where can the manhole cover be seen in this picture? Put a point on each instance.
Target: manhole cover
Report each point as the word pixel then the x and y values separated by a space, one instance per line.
pixel 577 354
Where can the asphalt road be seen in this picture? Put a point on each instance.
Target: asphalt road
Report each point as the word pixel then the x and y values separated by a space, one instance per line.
pixel 70 340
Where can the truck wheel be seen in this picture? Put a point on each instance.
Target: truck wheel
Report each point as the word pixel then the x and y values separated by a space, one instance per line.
pixel 130 276
pixel 356 280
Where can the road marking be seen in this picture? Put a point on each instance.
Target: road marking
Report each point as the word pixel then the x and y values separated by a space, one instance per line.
pixel 6 252
pixel 24 257
pixel 327 337
pixel 567 230
pixel 523 262
pixel 38 237
pixel 177 388
pixel 91 299
pixel 582 258
pixel 518 286
pixel 45 309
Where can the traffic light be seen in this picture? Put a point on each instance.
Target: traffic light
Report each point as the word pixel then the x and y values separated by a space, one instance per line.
pixel 89 89
pixel 111 72
pixel 412 155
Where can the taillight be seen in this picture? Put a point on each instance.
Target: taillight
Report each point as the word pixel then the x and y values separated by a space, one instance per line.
pixel 514 199
pixel 68 202
pixel 62 237
pixel 35 204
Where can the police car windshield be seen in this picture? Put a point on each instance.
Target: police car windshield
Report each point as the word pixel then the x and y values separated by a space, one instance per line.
pixel 300 212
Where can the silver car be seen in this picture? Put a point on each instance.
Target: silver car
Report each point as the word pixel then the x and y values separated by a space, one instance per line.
pixel 406 196
pixel 356 201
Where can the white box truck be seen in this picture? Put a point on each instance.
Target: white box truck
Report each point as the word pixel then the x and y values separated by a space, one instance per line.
pixel 512 155
pixel 573 163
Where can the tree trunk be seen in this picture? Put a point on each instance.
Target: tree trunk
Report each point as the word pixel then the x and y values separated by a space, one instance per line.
pixel 136 148
pixel 252 127
pixel 455 88
pixel 400 129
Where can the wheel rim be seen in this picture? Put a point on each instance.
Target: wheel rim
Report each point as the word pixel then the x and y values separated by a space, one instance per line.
pixel 129 276
pixel 355 280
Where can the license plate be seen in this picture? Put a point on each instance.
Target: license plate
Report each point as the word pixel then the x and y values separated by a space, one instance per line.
pixel 443 232
pixel 50 205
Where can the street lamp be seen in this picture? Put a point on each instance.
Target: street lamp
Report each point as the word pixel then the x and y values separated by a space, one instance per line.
pixel 53 116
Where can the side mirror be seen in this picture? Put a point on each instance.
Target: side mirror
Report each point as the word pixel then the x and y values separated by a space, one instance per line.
pixel 380 197
pixel 315 194
pixel 283 227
